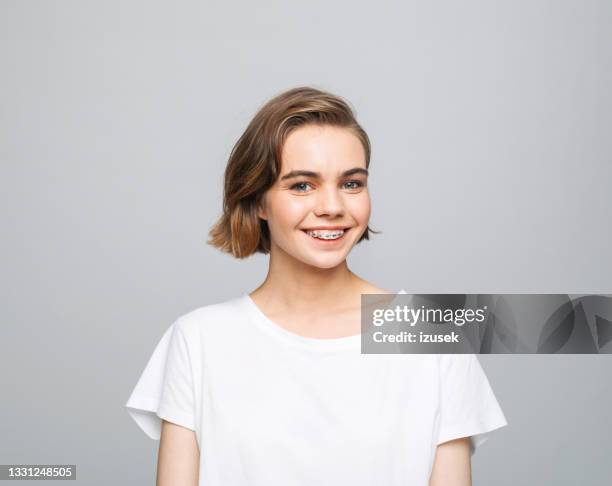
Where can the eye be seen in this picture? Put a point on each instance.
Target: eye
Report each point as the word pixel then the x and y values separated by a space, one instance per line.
pixel 354 184
pixel 300 186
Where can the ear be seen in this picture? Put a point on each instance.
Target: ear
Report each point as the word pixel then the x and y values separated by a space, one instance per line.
pixel 261 210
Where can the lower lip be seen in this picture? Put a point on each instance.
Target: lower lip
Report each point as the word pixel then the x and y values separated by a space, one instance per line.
pixel 327 243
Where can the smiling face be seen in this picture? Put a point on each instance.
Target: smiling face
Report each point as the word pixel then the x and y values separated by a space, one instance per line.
pixel 322 184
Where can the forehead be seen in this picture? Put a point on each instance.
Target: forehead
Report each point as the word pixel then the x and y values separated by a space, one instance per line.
pixel 323 149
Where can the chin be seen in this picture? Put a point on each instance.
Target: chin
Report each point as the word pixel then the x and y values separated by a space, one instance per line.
pixel 324 262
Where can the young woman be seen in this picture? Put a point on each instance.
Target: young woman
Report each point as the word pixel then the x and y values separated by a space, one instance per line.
pixel 271 388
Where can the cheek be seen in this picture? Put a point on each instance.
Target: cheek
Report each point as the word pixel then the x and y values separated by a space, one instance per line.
pixel 287 213
pixel 360 208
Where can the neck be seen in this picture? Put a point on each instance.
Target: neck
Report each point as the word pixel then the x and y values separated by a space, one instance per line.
pixel 294 283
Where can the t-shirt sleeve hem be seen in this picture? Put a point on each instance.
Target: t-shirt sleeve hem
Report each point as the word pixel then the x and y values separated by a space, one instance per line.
pixel 176 416
pixel 148 413
pixel 477 431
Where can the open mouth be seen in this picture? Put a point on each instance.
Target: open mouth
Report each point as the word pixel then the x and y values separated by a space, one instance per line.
pixel 327 235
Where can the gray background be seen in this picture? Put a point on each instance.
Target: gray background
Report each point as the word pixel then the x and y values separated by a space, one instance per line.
pixel 491 172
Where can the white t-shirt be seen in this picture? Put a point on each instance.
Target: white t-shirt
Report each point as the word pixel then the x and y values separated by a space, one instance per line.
pixel 271 407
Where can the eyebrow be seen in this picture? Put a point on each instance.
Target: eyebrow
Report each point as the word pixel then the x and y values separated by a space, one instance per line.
pixel 316 175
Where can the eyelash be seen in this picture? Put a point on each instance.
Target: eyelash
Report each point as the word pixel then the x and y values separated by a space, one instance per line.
pixel 358 185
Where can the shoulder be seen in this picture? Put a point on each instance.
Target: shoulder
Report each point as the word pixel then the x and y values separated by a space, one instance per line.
pixel 210 316
pixel 461 369
pixel 370 288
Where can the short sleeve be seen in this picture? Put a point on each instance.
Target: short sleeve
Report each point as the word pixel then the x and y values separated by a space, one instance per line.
pixel 468 407
pixel 165 388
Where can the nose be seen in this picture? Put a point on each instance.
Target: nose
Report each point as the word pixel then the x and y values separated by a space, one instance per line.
pixel 329 202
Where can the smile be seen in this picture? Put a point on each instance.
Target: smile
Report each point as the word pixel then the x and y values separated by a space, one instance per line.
pixel 326 235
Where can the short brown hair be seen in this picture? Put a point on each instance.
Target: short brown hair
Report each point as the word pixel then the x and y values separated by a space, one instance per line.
pixel 255 161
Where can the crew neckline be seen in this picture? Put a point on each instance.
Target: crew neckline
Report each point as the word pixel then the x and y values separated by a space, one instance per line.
pixel 345 342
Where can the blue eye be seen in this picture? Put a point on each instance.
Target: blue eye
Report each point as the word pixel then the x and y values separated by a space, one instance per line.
pixel 357 184
pixel 299 186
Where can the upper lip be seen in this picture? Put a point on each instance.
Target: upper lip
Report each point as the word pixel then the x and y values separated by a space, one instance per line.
pixel 326 228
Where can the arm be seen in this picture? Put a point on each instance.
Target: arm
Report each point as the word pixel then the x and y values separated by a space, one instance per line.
pixel 179 456
pixel 452 464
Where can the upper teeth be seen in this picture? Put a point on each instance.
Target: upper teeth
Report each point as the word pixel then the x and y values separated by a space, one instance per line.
pixel 326 234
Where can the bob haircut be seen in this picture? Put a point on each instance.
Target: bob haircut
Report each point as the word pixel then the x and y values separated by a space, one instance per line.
pixel 255 161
